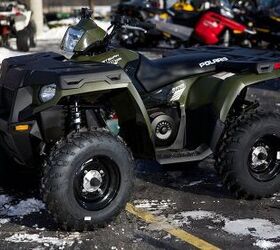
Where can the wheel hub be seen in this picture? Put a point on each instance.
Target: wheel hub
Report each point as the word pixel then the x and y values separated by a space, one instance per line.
pixel 96 183
pixel 263 161
pixel 92 181
pixel 259 156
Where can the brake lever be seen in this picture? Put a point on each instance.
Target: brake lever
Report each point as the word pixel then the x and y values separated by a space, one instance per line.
pixel 129 27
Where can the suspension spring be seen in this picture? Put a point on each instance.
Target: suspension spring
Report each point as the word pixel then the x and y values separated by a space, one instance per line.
pixel 76 115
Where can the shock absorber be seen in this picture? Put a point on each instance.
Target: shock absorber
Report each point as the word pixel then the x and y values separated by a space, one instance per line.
pixel 76 115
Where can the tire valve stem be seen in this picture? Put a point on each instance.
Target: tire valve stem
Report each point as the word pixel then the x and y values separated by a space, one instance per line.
pixel 77 117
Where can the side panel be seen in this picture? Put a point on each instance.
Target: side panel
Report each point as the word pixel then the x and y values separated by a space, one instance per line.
pixel 119 57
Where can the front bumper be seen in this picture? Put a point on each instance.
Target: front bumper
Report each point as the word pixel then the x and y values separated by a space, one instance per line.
pixel 21 146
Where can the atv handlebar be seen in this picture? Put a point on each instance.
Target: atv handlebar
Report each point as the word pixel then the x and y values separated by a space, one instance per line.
pixel 125 22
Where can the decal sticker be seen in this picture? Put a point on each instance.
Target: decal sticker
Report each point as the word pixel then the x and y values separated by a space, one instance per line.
pixel 213 61
pixel 176 92
pixel 278 155
pixel 224 75
pixel 87 218
pixel 113 60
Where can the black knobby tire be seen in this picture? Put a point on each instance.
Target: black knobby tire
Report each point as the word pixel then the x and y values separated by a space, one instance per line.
pixel 63 184
pixel 23 40
pixel 244 172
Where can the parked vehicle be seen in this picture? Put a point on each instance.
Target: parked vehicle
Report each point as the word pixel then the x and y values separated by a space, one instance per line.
pixel 265 17
pixel 177 27
pixel 15 21
pixel 182 108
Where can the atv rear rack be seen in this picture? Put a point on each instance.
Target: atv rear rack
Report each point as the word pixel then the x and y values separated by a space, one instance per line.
pixel 239 59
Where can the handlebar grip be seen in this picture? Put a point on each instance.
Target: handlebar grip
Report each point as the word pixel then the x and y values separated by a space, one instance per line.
pixel 147 26
pixel 123 20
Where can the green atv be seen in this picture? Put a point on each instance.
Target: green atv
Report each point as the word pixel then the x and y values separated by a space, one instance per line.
pixel 84 120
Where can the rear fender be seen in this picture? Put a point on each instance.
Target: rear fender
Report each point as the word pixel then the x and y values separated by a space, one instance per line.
pixel 230 89
pixel 218 94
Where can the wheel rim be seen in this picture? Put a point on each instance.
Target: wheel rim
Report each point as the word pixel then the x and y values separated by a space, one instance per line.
pixel 96 183
pixel 264 159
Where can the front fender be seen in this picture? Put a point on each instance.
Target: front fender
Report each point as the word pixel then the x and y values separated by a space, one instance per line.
pixel 132 114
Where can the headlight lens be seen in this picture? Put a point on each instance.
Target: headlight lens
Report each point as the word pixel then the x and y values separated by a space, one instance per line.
pixel 71 38
pixel 47 93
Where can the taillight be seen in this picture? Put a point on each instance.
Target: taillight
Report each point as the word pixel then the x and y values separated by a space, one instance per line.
pixel 277 66
pixel 114 116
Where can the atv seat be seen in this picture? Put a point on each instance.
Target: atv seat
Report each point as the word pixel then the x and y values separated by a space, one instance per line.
pixel 156 74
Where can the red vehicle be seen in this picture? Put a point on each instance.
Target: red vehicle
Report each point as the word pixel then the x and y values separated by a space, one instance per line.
pixel 212 27
pixel 216 25
pixel 213 24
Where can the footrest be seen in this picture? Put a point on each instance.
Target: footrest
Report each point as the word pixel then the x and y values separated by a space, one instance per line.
pixel 183 155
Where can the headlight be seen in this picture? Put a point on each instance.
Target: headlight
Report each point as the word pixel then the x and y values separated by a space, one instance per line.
pixel 47 93
pixel 71 38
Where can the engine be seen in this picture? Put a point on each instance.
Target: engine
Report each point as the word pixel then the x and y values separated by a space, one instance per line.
pixel 165 125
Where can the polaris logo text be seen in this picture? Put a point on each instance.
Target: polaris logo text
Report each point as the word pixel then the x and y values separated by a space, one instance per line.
pixel 113 60
pixel 213 61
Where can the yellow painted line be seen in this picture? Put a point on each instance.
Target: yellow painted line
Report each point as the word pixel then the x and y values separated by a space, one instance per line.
pixel 164 226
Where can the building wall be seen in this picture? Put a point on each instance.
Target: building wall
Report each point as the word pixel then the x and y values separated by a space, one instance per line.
pixel 76 2
pixel 69 5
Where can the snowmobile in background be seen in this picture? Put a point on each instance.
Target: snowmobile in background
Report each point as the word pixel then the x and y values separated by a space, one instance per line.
pixel 264 16
pixel 15 21
pixel 176 27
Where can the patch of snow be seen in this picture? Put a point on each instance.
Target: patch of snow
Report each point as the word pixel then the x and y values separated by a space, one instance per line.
pixel 155 206
pixel 264 244
pixel 57 33
pixel 102 10
pixel 4 221
pixel 24 208
pixel 259 228
pixel 184 218
pixel 6 53
pixel 4 199
pixel 194 183
pixel 53 34
pixel 67 241
pixel 167 237
pixel 64 22
pixel 103 24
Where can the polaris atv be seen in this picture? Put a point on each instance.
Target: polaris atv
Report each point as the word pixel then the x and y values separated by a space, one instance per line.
pixel 84 120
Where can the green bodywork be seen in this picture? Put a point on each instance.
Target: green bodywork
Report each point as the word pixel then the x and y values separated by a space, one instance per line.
pixel 200 90
pixel 92 34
